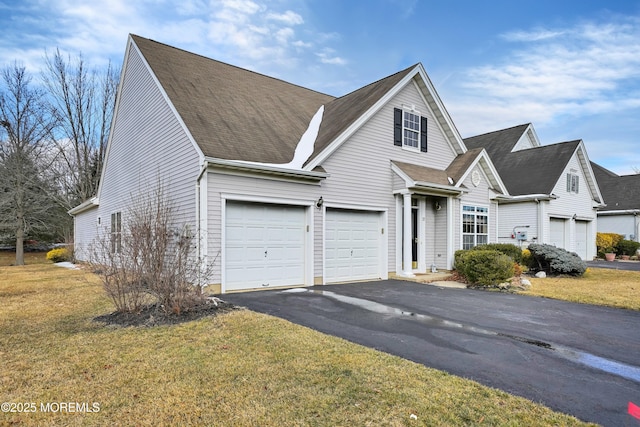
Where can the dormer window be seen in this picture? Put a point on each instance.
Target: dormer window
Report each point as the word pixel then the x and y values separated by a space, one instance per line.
pixel 410 129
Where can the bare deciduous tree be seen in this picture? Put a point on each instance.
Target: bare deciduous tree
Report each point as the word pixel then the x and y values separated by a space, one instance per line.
pixel 145 255
pixel 26 202
pixel 82 101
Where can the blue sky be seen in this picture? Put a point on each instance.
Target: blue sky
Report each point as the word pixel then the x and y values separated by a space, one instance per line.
pixel 572 68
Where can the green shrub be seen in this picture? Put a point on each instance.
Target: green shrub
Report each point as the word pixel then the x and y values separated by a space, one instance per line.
pixel 484 267
pixel 58 255
pixel 627 247
pixel 553 260
pixel 508 249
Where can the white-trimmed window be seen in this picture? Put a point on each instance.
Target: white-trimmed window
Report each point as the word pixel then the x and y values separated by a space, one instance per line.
pixel 475 226
pixel 410 130
pixel 573 182
pixel 116 232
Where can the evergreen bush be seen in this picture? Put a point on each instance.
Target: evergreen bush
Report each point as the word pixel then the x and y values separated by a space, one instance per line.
pixel 627 247
pixel 553 260
pixel 508 249
pixel 484 267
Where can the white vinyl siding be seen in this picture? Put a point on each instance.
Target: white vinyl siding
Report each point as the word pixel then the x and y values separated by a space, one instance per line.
pixel 148 148
pixel 626 225
pixel 570 204
pixel 368 179
pixel 517 217
pixel 85 229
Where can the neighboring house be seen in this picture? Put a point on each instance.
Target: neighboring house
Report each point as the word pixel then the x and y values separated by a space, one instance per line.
pixel 622 197
pixel 287 186
pixel 552 196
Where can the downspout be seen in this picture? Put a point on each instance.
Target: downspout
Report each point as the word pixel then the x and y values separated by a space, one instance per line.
pixel 202 244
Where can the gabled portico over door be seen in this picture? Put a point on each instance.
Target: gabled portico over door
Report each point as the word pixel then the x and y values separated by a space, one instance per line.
pixel 424 226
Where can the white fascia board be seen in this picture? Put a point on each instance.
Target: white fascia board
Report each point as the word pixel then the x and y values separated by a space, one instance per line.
pixel 266 169
pixel 170 104
pixel 116 109
pixel 449 189
pixel 84 206
pixel 361 121
pixel 438 121
pixel 583 157
pixel 445 114
pixel 422 185
pixel 131 44
pixel 406 178
pixel 487 164
pixel 620 212
pixel 525 198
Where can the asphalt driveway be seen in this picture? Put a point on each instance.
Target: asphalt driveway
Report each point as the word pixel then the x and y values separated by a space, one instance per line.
pixel 615 265
pixel 578 359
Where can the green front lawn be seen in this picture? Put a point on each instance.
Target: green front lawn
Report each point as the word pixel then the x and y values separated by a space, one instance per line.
pixel 236 369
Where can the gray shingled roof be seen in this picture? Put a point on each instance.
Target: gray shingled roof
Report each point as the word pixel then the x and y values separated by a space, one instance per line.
pixel 423 173
pixel 233 113
pixel 530 171
pixel 618 192
pixel 342 112
pixel 236 114
pixel 499 142
pixel 461 163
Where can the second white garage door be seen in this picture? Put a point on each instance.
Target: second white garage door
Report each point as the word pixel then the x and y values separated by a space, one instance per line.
pixel 353 245
pixel 581 238
pixel 556 228
pixel 264 245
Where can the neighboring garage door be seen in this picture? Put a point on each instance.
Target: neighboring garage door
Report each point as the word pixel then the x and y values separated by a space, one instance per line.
pixel 352 245
pixel 264 245
pixel 556 226
pixel 581 238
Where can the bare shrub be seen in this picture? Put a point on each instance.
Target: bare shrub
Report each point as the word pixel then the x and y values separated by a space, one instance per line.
pixel 149 257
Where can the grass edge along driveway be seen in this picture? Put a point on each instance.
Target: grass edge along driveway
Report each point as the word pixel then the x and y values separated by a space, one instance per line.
pixel 240 368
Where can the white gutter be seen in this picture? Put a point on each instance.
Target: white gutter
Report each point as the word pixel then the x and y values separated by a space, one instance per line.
pixel 265 169
pixel 621 212
pixel 86 205
pixel 526 198
pixel 444 188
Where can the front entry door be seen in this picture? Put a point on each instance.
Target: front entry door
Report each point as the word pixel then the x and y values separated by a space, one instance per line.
pixel 414 237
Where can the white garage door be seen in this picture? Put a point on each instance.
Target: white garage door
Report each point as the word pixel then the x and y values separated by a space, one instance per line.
pixel 352 245
pixel 581 239
pixel 556 226
pixel 264 245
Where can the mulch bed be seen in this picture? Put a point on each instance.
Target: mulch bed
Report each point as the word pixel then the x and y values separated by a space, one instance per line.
pixel 155 315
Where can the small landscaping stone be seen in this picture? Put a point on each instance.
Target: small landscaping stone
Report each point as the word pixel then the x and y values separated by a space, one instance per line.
pixel 541 274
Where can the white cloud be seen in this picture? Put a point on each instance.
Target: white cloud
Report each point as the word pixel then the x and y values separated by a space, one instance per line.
pixel 287 18
pixel 529 36
pixel 327 57
pixel 586 70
